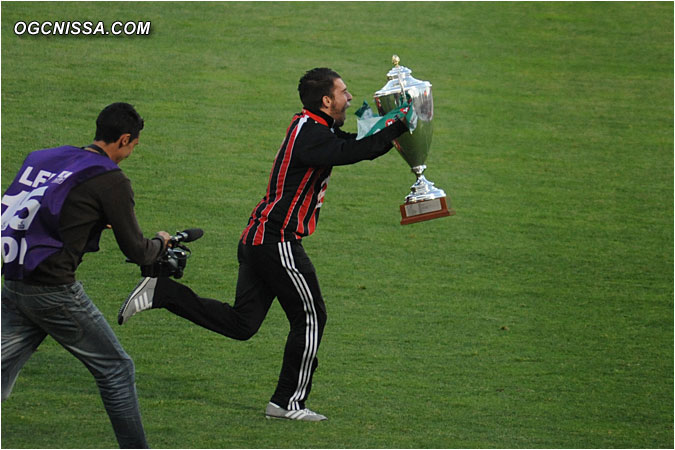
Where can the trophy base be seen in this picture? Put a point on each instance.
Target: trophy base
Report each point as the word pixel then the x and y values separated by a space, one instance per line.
pixel 425 210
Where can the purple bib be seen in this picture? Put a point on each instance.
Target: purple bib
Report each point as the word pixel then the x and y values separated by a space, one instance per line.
pixel 32 204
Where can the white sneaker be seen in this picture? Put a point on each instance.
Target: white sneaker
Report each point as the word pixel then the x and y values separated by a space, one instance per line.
pixel 139 300
pixel 277 412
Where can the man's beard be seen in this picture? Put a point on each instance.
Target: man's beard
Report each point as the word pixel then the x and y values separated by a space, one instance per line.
pixel 340 117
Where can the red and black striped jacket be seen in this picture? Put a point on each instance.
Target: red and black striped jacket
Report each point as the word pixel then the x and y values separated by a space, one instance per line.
pixel 297 183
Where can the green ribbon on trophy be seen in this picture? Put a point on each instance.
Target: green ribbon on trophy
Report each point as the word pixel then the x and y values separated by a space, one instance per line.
pixel 369 123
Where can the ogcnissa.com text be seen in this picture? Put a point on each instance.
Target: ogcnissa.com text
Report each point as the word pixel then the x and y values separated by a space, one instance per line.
pixel 84 28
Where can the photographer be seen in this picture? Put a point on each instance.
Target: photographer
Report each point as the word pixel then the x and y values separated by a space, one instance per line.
pixel 52 214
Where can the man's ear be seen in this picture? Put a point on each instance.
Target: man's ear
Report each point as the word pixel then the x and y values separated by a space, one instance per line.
pixel 124 140
pixel 327 100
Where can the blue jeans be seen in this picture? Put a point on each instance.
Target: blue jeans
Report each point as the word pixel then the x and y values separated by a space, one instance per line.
pixel 30 313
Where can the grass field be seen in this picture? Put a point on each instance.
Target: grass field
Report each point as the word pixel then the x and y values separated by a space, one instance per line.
pixel 540 316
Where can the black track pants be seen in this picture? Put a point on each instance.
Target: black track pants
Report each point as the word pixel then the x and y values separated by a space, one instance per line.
pixel 282 270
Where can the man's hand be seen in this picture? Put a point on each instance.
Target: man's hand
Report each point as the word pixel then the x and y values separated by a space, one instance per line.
pixel 164 236
pixel 407 115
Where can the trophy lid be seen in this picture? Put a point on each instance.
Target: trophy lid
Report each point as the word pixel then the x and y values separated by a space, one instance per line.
pixel 400 78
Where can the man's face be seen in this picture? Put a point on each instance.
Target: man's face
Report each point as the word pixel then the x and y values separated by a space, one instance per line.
pixel 339 102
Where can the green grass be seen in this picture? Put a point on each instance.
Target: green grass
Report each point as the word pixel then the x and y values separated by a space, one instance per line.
pixel 540 316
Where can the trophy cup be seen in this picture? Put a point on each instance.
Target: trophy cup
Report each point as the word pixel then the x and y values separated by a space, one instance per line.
pixel 424 202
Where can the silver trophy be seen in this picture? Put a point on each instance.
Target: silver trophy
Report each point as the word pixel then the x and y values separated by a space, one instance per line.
pixel 425 201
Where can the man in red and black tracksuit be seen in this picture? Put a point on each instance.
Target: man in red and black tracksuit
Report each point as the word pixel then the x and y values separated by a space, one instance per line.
pixel 272 261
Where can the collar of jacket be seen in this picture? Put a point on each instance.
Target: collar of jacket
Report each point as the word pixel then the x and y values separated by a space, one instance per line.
pixel 320 117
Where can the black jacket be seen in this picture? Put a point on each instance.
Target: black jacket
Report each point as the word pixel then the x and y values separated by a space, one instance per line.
pixel 298 180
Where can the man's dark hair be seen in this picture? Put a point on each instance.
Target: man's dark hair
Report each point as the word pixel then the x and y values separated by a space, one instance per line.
pixel 117 119
pixel 314 84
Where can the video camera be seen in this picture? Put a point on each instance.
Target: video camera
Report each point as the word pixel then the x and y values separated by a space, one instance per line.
pixel 173 260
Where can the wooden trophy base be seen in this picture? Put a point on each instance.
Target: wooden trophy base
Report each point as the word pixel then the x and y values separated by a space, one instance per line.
pixel 425 210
